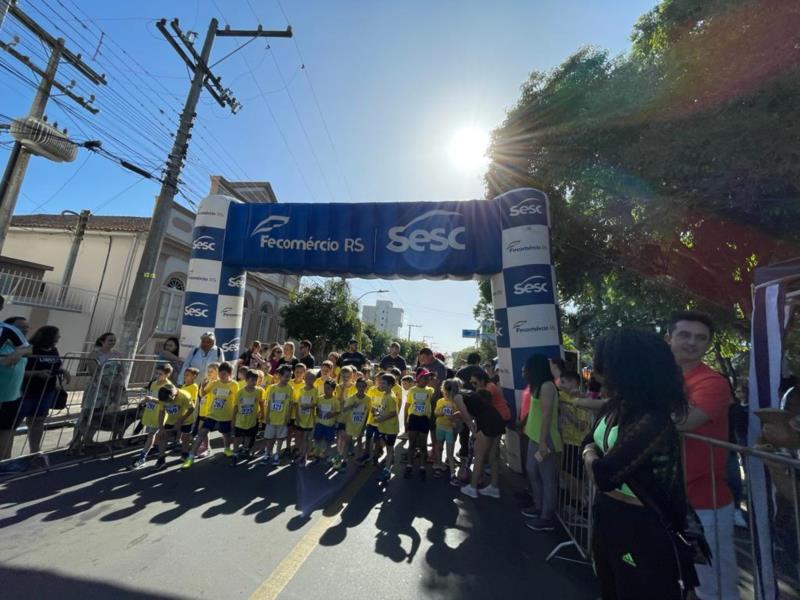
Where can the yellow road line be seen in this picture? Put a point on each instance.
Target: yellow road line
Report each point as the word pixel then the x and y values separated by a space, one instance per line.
pixel 290 565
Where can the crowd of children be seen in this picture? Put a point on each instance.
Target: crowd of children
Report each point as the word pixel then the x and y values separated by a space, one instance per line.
pixel 328 414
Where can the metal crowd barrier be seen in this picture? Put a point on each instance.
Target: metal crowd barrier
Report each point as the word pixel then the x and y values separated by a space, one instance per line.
pixel 767 550
pixel 575 499
pixel 99 416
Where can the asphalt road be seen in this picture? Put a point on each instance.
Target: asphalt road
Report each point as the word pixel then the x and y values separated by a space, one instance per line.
pixel 97 530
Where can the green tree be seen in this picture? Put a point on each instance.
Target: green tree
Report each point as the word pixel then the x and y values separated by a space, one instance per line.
pixel 378 342
pixel 410 350
pixel 326 314
pixel 672 172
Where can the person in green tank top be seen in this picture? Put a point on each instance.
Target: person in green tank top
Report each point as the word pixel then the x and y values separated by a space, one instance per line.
pixel 544 446
pixel 633 456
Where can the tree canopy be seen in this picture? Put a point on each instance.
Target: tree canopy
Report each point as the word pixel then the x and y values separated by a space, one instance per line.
pixel 672 171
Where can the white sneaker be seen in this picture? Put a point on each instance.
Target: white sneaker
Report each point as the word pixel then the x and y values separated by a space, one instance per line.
pixel 470 491
pixel 490 490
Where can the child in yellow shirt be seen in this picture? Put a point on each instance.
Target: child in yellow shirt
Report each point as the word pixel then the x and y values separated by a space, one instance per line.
pixel 354 411
pixel 246 416
pixel 446 413
pixel 220 399
pixel 305 401
pixel 327 409
pixel 279 402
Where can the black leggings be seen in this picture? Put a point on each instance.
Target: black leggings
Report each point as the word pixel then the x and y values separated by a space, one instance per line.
pixel 633 553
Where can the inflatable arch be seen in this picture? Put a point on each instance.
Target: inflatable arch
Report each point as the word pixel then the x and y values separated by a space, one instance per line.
pixel 506 239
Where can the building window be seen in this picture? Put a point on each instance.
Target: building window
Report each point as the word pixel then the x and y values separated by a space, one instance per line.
pixel 266 324
pixel 169 306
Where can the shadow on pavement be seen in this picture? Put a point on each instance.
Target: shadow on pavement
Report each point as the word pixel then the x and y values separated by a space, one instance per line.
pixel 39 583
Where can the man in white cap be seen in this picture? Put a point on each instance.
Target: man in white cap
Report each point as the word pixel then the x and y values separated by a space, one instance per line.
pixel 201 356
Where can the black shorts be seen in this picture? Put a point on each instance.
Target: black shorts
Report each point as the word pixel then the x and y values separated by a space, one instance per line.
pixel 341 426
pixel 418 423
pixel 185 428
pixel 250 432
pixel 210 424
pixel 9 414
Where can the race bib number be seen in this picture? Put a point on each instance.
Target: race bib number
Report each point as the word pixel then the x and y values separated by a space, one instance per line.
pixel 277 405
pixel 151 405
pixel 447 411
pixel 324 408
pixel 246 410
pixel 218 404
pixel 172 409
pixel 419 408
pixel 358 417
pixel 305 410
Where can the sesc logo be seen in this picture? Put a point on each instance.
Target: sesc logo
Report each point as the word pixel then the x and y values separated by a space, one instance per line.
pixel 270 223
pixel 498 329
pixel 205 242
pixel 197 310
pixel 526 207
pixel 236 282
pixel 535 284
pixel 437 239
pixel 232 346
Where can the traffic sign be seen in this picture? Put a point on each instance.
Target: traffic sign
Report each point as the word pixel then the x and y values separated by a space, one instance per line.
pixel 469 333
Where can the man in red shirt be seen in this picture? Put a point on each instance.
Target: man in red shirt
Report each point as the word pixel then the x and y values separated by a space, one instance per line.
pixel 689 336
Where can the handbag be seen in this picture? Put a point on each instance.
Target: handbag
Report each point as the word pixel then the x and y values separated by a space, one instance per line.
pixel 60 402
pixel 690 542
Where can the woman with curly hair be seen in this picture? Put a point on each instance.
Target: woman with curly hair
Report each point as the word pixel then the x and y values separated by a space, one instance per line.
pixel 633 455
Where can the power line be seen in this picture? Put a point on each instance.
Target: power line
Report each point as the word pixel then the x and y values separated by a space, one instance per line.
pixel 65 184
pixel 304 68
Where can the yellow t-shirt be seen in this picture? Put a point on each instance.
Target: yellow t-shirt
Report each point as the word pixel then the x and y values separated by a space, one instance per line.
pixel 356 418
pixel 297 386
pixel 219 400
pixel 305 401
pixel 193 390
pixel 325 407
pixel 279 403
pixel 178 407
pixel 241 383
pixel 444 413
pixel 268 380
pixel 374 392
pixel 155 386
pixel 343 392
pixel 205 403
pixel 419 401
pixel 247 404
pixel 380 406
pixel 572 433
pixel 152 411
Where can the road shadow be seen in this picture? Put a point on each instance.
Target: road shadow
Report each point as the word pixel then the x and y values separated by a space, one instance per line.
pixel 40 583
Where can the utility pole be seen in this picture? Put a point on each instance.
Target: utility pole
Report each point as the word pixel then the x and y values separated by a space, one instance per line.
pixel 20 156
pixel 201 77
pixel 77 238
pixel 409 330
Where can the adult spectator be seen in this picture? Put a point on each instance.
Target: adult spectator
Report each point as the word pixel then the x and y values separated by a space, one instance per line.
pixel 689 336
pixel 170 353
pixel 42 374
pixel 200 356
pixel 105 393
pixel 352 357
pixel 274 357
pixel 288 357
pixel 487 426
pixel 305 355
pixel 14 348
pixel 491 370
pixel 393 359
pixel 544 444
pixel 633 455
pixel 472 367
pixel 428 361
pixel 251 358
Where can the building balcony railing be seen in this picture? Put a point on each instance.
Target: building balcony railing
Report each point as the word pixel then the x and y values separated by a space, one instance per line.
pixel 30 291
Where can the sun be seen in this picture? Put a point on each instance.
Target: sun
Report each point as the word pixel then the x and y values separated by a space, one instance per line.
pixel 467 149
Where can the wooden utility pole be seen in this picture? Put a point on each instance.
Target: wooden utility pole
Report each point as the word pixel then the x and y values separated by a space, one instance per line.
pixel 201 77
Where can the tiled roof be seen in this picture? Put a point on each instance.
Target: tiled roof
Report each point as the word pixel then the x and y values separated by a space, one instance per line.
pixel 96 222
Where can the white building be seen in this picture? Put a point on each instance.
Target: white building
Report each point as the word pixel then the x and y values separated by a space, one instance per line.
pixel 384 316
pixel 35 253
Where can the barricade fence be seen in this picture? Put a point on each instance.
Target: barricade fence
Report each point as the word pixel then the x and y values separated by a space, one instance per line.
pixel 76 406
pixel 761 553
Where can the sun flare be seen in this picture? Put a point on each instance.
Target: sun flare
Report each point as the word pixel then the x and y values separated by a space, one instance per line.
pixel 467 149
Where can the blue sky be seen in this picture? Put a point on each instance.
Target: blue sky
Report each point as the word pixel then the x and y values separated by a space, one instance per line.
pixel 385 88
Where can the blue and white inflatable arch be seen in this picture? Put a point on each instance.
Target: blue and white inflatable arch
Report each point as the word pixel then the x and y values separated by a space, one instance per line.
pixel 506 239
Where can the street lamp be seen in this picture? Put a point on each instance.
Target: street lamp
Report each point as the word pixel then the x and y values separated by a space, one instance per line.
pixel 360 321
